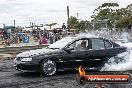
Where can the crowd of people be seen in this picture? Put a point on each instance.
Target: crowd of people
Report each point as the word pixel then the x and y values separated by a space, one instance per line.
pixel 49 37
pixel 42 36
pixel 46 37
pixel 12 37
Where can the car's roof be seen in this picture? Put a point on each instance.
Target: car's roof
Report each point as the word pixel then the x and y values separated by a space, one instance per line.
pixel 82 36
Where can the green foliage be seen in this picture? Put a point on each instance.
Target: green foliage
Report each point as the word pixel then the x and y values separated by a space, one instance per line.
pixel 105 11
pixel 73 22
pixel 109 5
pixel 120 18
pixel 79 25
pixel 123 22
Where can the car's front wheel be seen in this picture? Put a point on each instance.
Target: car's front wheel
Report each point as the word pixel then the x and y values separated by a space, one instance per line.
pixel 48 67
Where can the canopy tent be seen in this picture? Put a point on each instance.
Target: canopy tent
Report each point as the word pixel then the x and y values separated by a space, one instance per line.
pixel 9 27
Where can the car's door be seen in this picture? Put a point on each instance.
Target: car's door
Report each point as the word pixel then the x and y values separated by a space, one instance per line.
pixel 75 58
pixel 109 49
pixel 96 53
pixel 112 50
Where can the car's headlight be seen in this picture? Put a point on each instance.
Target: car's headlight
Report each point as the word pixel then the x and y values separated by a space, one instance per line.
pixel 26 59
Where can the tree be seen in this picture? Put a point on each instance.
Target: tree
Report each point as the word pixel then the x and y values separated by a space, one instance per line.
pixel 79 25
pixel 125 16
pixel 106 11
pixel 119 18
pixel 82 25
pixel 73 22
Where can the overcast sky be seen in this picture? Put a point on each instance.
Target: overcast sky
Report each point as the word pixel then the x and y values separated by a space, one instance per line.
pixel 48 11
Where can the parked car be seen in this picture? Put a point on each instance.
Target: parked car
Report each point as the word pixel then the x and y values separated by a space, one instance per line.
pixel 68 54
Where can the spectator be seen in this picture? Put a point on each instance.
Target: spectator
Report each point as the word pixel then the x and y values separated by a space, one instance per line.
pixel 20 39
pixel 64 27
pixel 8 33
pixel 34 33
pixel 14 39
pixel 57 37
pixel 43 40
pixel 4 34
pixel 45 33
pixel 68 28
pixel 7 42
pixel 51 37
pixel 1 34
pixel 54 31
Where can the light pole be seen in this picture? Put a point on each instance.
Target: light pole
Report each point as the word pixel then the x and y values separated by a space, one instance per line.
pixel 14 23
pixel 68 15
pixel 77 15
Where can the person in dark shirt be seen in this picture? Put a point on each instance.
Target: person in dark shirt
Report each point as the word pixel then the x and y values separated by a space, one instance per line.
pixel 83 45
pixel 63 26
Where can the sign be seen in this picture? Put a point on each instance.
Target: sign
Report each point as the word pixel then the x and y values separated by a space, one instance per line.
pixel 84 78
pixel 25 39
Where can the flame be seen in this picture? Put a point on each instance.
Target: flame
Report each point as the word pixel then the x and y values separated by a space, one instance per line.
pixel 81 71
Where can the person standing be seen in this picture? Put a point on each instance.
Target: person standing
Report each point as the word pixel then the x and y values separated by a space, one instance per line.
pixel 51 37
pixel 64 27
pixel 68 28
pixel 4 34
pixel 8 33
pixel 43 40
pixel 64 30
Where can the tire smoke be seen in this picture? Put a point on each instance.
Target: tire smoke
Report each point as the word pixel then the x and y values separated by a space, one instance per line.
pixel 121 62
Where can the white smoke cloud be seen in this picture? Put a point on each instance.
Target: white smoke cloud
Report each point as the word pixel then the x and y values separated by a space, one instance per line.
pixel 121 62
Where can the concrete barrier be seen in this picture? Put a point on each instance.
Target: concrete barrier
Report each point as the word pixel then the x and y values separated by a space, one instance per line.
pixel 12 50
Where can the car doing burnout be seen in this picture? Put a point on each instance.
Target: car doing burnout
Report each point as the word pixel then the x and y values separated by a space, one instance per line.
pixel 67 54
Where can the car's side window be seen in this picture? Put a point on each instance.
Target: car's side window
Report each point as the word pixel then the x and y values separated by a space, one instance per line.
pixel 97 44
pixel 80 44
pixel 108 44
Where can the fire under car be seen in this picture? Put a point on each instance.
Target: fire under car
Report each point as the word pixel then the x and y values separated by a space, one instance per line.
pixel 69 53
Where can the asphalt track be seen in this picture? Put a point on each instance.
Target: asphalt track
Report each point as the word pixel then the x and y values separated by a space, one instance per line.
pixel 10 78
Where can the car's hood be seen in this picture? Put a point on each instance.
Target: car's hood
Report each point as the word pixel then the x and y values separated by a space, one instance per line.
pixel 32 53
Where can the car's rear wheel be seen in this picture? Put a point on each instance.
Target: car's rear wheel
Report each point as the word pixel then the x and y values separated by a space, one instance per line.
pixel 48 67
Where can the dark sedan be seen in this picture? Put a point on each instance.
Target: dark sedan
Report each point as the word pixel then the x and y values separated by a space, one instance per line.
pixel 68 54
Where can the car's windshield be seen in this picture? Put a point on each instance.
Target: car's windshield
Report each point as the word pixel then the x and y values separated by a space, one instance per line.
pixel 61 43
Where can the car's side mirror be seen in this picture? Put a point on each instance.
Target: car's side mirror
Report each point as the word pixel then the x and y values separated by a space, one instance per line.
pixel 69 49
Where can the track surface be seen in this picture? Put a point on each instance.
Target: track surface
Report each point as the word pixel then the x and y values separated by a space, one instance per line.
pixel 10 78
